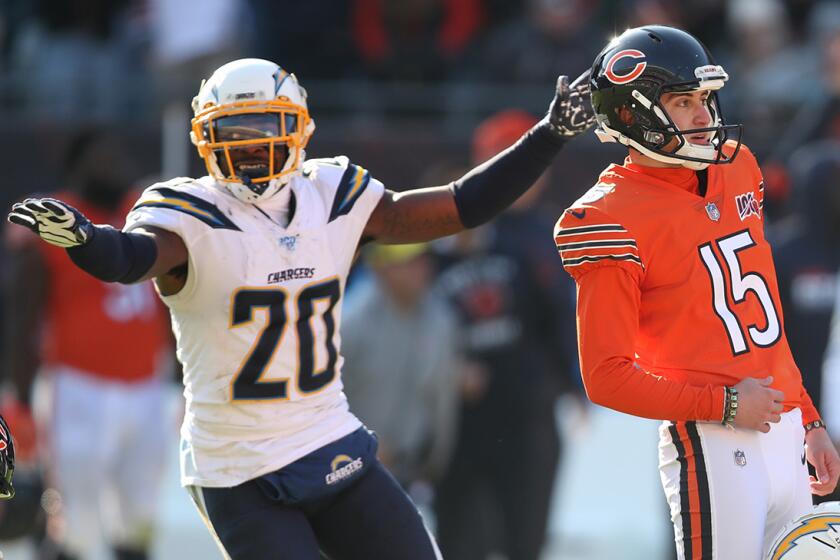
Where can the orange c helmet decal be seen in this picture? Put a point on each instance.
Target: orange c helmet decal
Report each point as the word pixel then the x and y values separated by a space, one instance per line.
pixel 633 74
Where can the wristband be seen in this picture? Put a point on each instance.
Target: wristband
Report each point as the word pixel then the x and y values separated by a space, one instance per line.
pixel 730 406
pixel 814 425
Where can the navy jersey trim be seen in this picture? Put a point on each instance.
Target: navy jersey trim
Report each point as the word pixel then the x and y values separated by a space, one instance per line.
pixel 353 183
pixel 596 244
pixel 685 507
pixel 188 204
pixel 586 259
pixel 590 229
pixel 706 536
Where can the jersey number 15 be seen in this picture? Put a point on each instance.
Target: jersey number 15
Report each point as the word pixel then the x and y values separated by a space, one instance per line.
pixel 739 285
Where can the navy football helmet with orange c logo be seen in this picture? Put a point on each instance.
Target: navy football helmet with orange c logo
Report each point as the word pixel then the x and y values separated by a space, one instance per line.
pixel 630 75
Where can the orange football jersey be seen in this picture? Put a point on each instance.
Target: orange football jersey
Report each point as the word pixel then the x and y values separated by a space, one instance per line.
pixel 107 330
pixel 677 292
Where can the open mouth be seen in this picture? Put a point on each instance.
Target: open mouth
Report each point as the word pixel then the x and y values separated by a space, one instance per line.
pixel 251 166
pixel 702 139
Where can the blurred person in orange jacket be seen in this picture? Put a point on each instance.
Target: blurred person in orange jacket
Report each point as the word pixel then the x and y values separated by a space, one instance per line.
pixel 98 351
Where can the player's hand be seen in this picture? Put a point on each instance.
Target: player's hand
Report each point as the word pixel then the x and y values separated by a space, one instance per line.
pixel 571 111
pixel 821 453
pixel 758 404
pixel 54 221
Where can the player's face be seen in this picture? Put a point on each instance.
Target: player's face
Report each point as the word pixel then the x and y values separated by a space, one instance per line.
pixel 253 160
pixel 690 110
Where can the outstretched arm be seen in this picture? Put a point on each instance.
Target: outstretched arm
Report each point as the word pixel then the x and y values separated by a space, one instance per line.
pixel 485 191
pixel 102 251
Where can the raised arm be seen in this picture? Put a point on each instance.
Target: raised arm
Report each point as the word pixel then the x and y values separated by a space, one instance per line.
pixel 485 191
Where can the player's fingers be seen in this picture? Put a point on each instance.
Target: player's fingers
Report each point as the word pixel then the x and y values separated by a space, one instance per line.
pixel 764 427
pixel 819 488
pixel 820 467
pixel 777 396
pixel 54 206
pixel 39 211
pixel 34 205
pixel 833 477
pixel 775 418
pixel 562 86
pixel 24 220
pixel 777 407
pixel 19 208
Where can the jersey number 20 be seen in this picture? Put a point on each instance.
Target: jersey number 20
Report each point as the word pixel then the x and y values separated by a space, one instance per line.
pixel 739 284
pixel 247 384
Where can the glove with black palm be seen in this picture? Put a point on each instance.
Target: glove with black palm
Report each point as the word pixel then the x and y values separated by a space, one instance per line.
pixel 54 221
pixel 571 111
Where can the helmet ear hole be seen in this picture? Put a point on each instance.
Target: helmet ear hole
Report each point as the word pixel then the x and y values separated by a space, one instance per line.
pixel 625 115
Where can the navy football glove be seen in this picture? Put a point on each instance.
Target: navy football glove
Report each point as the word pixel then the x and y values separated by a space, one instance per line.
pixel 53 221
pixel 571 111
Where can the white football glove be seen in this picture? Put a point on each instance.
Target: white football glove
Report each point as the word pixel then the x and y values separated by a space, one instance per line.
pixel 54 221
pixel 571 111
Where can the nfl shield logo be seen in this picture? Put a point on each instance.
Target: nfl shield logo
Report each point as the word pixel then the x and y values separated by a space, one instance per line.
pixel 740 458
pixel 712 211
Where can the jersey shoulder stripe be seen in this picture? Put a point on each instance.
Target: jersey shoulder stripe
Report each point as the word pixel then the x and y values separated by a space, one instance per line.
pixel 179 201
pixel 589 237
pixel 353 183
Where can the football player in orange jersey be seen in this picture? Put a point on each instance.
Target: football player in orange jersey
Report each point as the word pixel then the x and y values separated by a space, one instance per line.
pixel 678 309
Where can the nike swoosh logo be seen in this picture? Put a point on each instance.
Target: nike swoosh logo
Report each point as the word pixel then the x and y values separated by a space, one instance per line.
pixel 579 214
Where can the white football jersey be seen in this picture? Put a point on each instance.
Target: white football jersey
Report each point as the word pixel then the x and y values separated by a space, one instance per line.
pixel 257 321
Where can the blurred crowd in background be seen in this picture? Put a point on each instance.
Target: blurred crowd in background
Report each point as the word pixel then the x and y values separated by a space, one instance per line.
pixel 456 351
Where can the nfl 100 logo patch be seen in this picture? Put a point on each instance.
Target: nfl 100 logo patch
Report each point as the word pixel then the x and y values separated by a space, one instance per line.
pixel 289 242
pixel 740 458
pixel 747 206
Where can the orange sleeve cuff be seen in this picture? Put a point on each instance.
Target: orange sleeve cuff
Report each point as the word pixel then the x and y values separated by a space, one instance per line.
pixel 809 411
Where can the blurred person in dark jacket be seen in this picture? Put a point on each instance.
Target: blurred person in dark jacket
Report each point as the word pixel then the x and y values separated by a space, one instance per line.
pixel 516 311
pixel 806 250
pixel 819 119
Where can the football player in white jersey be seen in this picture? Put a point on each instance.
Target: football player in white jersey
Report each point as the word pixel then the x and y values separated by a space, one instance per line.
pixel 251 260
